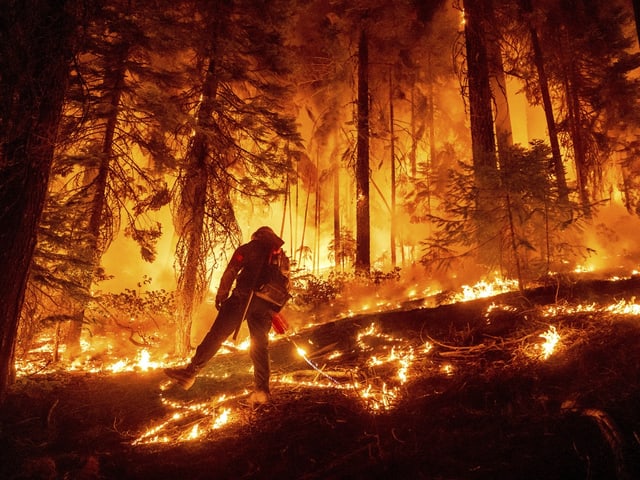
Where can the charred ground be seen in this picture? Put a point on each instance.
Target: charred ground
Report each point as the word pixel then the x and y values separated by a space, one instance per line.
pixel 497 413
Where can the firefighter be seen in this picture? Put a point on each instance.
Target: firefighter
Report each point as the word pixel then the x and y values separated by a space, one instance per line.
pixel 243 269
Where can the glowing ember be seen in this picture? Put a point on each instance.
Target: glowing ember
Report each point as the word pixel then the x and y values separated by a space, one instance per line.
pixel 447 369
pixel 621 307
pixel 584 269
pixel 223 419
pixel 194 432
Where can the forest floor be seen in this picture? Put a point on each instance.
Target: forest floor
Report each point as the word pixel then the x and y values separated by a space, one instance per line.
pixel 479 401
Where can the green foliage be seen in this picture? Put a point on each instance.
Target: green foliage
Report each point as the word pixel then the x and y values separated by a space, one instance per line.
pixel 379 277
pixel 525 230
pixel 345 253
pixel 317 294
pixel 310 291
pixel 141 318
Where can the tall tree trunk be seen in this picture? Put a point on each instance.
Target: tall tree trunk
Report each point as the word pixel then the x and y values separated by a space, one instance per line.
pixel 577 140
pixel 285 202
pixel 414 140
pixel 96 181
pixel 431 125
pixel 191 285
pixel 363 234
pixel 498 83
pixel 393 175
pixel 317 221
pixel 431 122
pixel 337 240
pixel 636 14
pixel 33 82
pixel 480 108
pixel 543 81
pixel 481 120
pixel 571 83
pixel 302 250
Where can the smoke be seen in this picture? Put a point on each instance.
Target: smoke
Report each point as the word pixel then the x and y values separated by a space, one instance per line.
pixel 613 240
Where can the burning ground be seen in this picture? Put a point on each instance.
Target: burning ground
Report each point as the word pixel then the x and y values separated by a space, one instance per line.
pixel 545 385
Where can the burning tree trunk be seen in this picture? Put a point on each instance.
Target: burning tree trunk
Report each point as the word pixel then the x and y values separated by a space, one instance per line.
pixel 36 53
pixel 363 249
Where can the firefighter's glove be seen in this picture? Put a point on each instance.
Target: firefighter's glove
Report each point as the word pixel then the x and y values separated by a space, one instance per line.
pixel 220 298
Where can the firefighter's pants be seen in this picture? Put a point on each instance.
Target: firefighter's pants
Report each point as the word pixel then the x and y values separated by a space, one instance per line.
pixel 227 321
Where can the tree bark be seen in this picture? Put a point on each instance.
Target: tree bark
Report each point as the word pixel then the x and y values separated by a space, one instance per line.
pixel 393 175
pixel 636 14
pixel 480 108
pixel 337 241
pixel 33 83
pixel 363 240
pixel 194 198
pixel 498 84
pixel 543 82
pixel 574 118
pixel 482 132
pixel 97 180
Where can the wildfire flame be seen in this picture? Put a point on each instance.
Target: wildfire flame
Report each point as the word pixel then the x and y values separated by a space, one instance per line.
pixel 552 338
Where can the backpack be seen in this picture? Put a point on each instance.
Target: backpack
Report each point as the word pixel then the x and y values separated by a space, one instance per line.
pixel 274 284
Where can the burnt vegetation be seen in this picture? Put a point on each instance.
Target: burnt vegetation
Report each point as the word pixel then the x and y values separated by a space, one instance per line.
pixel 481 403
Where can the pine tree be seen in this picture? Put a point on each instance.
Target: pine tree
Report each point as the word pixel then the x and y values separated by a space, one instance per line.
pixel 99 179
pixel 483 144
pixel 531 20
pixel 583 51
pixel 37 44
pixel 237 143
pixel 531 235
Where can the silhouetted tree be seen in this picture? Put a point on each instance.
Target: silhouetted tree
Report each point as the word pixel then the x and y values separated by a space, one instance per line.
pixel 481 120
pixel 543 87
pixel 237 140
pixel 37 42
pixel 100 178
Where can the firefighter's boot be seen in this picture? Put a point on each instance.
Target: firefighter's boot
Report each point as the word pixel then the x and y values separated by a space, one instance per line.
pixel 258 398
pixel 183 376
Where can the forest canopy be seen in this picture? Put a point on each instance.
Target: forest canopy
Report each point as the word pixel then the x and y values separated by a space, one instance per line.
pixel 422 143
